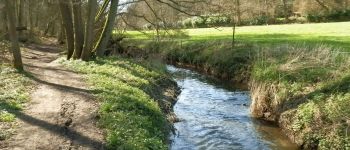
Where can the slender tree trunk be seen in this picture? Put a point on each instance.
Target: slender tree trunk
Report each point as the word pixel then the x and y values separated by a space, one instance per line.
pixel 78 29
pixel 233 35
pixel 61 34
pixel 20 17
pixel 108 28
pixel 285 9
pixel 30 19
pixel 48 26
pixel 11 23
pixel 238 12
pixel 3 18
pixel 89 30
pixel 102 10
pixel 267 11
pixel 65 8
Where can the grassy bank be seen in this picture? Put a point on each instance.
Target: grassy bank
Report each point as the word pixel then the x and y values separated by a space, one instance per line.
pixel 298 74
pixel 14 93
pixel 135 99
pixel 306 89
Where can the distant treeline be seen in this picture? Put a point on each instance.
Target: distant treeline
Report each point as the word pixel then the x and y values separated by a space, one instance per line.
pixel 213 13
pixel 224 21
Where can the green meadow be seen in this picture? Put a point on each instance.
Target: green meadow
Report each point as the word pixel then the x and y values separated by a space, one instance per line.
pixel 335 34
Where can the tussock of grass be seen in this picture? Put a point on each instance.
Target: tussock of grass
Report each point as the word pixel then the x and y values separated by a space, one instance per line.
pixel 130 114
pixel 13 94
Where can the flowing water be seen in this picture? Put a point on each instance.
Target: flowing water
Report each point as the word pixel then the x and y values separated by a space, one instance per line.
pixel 216 116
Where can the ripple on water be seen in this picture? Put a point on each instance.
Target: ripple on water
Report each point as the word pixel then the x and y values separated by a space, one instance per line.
pixel 215 118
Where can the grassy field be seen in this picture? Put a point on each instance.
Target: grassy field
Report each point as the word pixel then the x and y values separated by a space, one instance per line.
pixel 336 34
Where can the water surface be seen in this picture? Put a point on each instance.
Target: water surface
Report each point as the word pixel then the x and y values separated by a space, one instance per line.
pixel 215 116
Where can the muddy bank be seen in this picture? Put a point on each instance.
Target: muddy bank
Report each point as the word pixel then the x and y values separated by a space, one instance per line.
pixel 240 82
pixel 166 94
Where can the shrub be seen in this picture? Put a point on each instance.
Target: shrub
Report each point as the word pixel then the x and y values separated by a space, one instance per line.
pixel 199 22
pixel 187 23
pixel 280 20
pixel 301 20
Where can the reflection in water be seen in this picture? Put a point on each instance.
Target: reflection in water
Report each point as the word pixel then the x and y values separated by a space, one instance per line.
pixel 216 117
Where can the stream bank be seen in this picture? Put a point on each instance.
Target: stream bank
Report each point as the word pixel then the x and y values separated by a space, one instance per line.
pixel 303 88
pixel 136 97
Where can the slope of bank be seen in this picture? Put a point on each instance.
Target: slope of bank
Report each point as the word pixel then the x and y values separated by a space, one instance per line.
pixel 307 91
pixel 302 87
pixel 135 101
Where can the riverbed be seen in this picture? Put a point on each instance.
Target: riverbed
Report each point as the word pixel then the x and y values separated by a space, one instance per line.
pixel 214 115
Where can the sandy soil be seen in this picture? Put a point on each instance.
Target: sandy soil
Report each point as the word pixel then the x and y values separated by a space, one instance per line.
pixel 61 114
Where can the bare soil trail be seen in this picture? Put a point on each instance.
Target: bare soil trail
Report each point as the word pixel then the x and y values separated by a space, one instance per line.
pixel 61 114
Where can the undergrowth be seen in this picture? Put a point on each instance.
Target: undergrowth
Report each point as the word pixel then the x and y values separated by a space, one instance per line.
pixel 13 94
pixel 129 112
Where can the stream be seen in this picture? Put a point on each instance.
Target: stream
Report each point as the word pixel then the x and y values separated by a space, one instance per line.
pixel 215 116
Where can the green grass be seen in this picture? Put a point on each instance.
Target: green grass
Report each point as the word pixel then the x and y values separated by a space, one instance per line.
pixel 129 112
pixel 335 34
pixel 14 92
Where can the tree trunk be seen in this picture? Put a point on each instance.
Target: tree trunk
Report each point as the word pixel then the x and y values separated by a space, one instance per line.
pixel 108 28
pixel 239 13
pixel 65 8
pixel 285 11
pixel 89 30
pixel 102 10
pixel 233 44
pixel 20 17
pixel 78 29
pixel 4 29
pixel 30 20
pixel 11 23
pixel 61 34
pixel 267 11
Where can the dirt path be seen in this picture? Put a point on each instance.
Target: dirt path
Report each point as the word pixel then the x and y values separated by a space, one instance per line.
pixel 62 113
